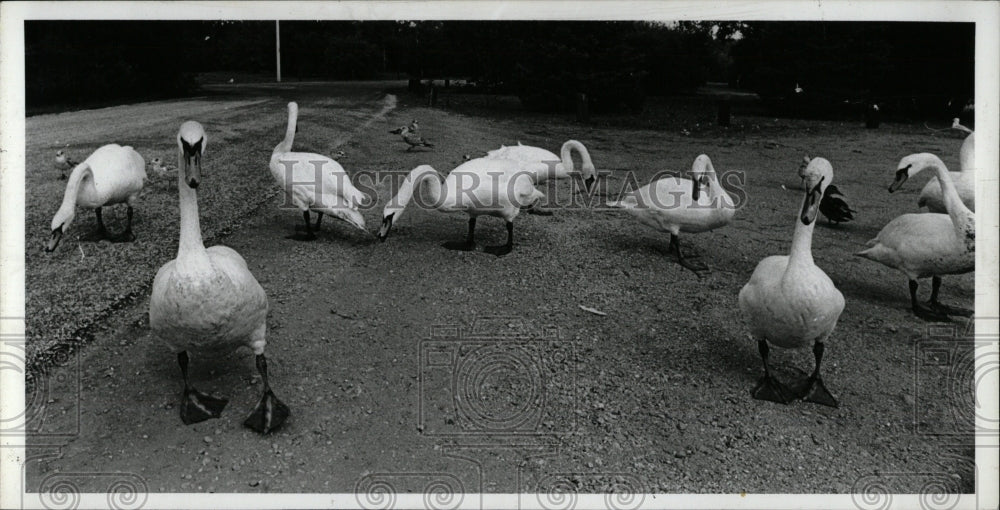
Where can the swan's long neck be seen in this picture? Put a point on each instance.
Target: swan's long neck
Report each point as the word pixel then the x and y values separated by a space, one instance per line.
pixel 286 144
pixel 801 254
pixel 952 202
pixel 191 246
pixel 421 175
pixel 73 184
pixel 567 158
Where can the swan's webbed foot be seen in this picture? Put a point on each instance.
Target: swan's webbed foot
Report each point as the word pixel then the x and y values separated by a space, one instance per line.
pixel 948 310
pixel 813 390
pixel 929 314
pixel 269 414
pixel 197 406
pixel 499 250
pixel 769 388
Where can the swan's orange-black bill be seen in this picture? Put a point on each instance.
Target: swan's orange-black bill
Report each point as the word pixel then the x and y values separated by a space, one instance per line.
pixel 810 206
pixel 383 232
pixel 54 240
pixel 901 175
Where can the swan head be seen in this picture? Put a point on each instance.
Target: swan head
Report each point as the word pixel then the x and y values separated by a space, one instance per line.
pixel 191 142
pixel 60 223
pixel 912 165
pixel 817 176
pixel 702 173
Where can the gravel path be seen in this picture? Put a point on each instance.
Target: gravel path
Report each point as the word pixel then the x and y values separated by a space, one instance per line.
pixel 652 396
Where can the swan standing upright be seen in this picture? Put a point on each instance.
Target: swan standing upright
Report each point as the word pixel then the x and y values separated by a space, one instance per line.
pixel 111 175
pixel 207 299
pixel 792 303
pixel 479 187
pixel 929 244
pixel 676 205
pixel 313 182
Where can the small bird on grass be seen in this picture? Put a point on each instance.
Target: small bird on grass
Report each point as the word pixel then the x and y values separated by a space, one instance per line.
pixel 834 207
pixel 159 168
pixel 66 162
pixel 410 138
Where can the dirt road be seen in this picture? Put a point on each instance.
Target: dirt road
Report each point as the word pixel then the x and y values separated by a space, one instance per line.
pixel 406 364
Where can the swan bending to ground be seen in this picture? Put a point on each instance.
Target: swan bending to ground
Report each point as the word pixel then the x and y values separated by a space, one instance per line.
pixel 111 175
pixel 207 299
pixel 479 187
pixel 674 205
pixel 928 244
pixel 792 303
pixel 313 182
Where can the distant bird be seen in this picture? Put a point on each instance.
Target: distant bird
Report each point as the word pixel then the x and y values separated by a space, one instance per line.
pixel 414 126
pixel 159 168
pixel 956 125
pixel 111 175
pixel 66 163
pixel 834 207
pixel 413 140
pixel 798 89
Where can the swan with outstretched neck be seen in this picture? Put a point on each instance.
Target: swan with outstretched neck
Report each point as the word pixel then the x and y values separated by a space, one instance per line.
pixel 790 302
pixel 674 205
pixel 208 300
pixel 479 187
pixel 929 244
pixel 313 182
pixel 111 175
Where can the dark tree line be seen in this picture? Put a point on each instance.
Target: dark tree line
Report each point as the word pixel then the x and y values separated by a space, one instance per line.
pixel 547 64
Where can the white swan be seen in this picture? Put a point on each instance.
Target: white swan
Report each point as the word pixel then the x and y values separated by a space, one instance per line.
pixel 929 244
pixel 111 175
pixel 313 182
pixel 490 187
pixel 207 299
pixel 963 180
pixel 792 303
pixel 562 166
pixel 676 205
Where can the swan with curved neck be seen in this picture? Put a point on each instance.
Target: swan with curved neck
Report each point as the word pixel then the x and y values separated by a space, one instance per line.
pixel 929 244
pixel 208 300
pixel 479 187
pixel 111 175
pixel 563 166
pixel 792 303
pixel 674 205
pixel 313 182
pixel 964 181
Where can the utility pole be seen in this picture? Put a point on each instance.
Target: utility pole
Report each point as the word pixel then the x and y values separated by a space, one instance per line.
pixel 277 46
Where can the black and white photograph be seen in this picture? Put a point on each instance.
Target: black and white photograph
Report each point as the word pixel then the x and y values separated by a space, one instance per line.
pixel 450 255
